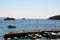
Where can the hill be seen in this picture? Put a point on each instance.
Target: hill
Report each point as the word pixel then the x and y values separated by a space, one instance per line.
pixel 57 17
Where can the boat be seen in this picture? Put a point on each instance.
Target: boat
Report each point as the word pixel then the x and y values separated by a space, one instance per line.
pixel 11 26
pixel 58 34
pixel 38 35
pixel 45 34
pixel 51 35
pixel 34 36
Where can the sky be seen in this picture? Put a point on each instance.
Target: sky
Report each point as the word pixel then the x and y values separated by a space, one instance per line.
pixel 29 8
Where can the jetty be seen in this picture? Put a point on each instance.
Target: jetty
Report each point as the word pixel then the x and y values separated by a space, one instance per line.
pixel 32 31
pixel 32 34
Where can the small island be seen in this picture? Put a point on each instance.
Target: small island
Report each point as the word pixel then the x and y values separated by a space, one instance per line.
pixel 57 17
pixel 8 18
pixel 23 19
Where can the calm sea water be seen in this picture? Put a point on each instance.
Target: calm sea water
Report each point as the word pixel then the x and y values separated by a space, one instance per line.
pixel 29 24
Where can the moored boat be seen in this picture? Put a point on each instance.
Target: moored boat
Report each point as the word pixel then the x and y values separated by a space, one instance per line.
pixel 11 26
pixel 53 35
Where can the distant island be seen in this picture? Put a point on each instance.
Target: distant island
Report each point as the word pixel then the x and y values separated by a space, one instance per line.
pixel 57 17
pixel 23 19
pixel 8 18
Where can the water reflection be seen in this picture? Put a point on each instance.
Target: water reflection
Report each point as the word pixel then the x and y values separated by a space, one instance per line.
pixel 38 39
pixel 30 39
pixel 54 39
pixel 43 38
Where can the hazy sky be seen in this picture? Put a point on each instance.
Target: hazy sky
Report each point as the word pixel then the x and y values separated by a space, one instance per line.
pixel 29 8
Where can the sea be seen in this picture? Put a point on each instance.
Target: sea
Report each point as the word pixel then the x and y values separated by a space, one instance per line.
pixel 28 24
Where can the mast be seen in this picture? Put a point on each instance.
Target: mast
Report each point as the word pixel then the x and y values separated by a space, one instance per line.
pixel 37 25
pixel 55 25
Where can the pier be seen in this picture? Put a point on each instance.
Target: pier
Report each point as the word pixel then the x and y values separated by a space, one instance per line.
pixel 24 34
